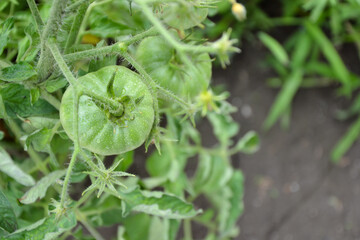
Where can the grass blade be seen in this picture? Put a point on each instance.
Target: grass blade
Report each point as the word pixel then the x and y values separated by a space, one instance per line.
pixel 331 55
pixel 275 47
pixel 284 98
pixel 346 142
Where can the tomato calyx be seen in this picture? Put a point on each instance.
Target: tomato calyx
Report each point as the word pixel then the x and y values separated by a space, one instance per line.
pixel 119 116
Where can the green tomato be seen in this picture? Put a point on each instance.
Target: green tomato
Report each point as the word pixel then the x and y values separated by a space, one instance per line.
pixel 100 131
pixel 184 15
pixel 163 64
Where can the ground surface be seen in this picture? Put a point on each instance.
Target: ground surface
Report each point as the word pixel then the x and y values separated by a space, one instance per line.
pixel 293 192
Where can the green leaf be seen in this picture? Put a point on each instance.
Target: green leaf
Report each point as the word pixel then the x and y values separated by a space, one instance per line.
pixel 29 46
pixel 346 142
pixel 45 229
pixel 7 216
pixel 157 204
pixel 236 185
pixel 248 144
pixel 56 84
pixel 34 95
pixel 17 103
pixel 1 135
pixel 39 139
pixel 275 47
pixel 331 55
pixel 4 34
pixel 32 124
pixel 213 174
pixel 284 98
pixel 39 190
pixel 224 127
pixel 8 167
pixel 18 72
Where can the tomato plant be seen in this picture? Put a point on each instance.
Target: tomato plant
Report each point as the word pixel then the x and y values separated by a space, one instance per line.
pixel 80 86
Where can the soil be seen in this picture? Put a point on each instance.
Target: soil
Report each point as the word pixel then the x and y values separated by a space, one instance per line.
pixel 292 190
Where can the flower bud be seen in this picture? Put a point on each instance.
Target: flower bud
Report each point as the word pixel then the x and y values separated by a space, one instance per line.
pixel 239 11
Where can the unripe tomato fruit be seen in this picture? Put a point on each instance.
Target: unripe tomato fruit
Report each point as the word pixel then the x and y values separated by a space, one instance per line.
pixel 184 15
pixel 164 65
pixel 99 130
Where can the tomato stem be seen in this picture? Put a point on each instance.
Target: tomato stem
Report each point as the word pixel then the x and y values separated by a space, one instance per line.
pixel 50 98
pixel 75 27
pixel 46 62
pixel 67 178
pixel 107 50
pixel 36 15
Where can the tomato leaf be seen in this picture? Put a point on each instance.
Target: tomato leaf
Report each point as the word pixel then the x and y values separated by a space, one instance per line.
pixel 249 143
pixel 17 103
pixel 6 27
pixel 8 167
pixel 213 174
pixel 34 95
pixel 39 139
pixel 157 204
pixel 56 84
pixel 18 72
pixel 39 190
pixel 7 216
pixel 224 127
pixel 231 211
pixel 46 228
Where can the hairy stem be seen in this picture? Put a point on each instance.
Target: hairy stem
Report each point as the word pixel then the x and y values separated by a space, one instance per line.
pixel 107 50
pixel 50 99
pixel 86 17
pixel 46 61
pixel 75 27
pixel 84 198
pixel 86 224
pixel 75 5
pixel 67 178
pixel 72 57
pixel 187 230
pixel 36 15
